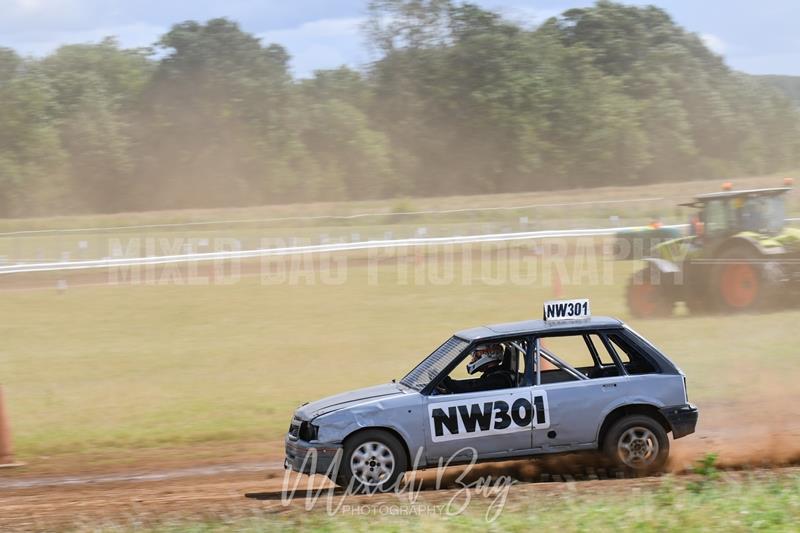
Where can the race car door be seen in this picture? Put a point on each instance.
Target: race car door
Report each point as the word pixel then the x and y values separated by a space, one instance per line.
pixel 580 380
pixel 489 423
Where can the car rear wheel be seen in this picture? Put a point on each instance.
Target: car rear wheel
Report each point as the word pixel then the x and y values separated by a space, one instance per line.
pixel 637 443
pixel 373 461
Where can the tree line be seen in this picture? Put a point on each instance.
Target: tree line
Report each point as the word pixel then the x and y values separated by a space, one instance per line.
pixel 459 100
pixel 788 85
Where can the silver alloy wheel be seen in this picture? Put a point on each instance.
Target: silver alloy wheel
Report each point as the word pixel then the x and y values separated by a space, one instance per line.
pixel 638 447
pixel 372 463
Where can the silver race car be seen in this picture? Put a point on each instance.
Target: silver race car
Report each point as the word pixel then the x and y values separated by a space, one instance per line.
pixel 567 383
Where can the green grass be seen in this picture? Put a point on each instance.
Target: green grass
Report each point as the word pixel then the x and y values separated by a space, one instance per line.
pixel 758 504
pixel 673 191
pixel 116 368
pixel 98 244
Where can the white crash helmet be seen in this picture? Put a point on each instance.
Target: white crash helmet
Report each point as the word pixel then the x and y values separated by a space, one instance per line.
pixel 484 355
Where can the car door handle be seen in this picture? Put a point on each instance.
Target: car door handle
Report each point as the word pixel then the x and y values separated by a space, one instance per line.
pixel 608 386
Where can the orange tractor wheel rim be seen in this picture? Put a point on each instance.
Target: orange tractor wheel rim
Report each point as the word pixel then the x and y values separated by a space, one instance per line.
pixel 740 285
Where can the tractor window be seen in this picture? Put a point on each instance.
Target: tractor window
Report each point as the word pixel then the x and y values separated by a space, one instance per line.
pixel 762 214
pixel 716 218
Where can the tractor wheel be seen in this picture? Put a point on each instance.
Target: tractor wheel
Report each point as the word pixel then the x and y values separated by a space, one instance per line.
pixel 699 299
pixel 740 281
pixel 702 304
pixel 647 298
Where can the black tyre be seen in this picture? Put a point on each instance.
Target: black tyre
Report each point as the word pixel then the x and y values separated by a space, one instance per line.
pixel 648 295
pixel 701 304
pixel 373 461
pixel 638 444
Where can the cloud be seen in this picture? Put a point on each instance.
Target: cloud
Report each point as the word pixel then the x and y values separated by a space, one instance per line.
pixel 333 42
pixel 325 28
pixel 23 6
pixel 37 27
pixel 41 43
pixel 526 15
pixel 321 44
pixel 779 63
pixel 34 7
pixel 21 15
pixel 714 43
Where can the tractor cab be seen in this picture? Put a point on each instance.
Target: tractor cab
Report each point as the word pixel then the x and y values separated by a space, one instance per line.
pixel 727 213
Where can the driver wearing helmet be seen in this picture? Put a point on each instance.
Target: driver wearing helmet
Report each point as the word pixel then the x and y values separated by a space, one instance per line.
pixel 487 359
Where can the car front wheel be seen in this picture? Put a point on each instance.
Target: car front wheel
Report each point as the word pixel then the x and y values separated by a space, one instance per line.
pixel 373 461
pixel 638 444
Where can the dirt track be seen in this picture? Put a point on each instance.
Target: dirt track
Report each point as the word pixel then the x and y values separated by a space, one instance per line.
pixel 248 493
pixel 249 481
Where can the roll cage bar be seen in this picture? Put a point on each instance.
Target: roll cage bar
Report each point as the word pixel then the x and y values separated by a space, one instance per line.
pixel 541 352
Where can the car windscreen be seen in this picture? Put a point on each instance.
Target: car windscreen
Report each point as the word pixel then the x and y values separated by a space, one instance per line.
pixel 433 365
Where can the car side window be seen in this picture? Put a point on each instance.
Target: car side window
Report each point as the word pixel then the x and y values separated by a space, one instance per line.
pixel 634 362
pixel 488 366
pixel 600 348
pixel 585 352
pixel 571 349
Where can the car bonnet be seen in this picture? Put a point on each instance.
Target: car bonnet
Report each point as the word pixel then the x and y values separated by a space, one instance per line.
pixel 336 402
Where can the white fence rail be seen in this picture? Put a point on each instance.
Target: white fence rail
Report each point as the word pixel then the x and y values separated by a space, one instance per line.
pixel 316 248
pixel 310 218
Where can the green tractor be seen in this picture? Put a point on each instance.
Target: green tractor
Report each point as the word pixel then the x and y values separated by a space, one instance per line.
pixel 739 256
pixel 637 243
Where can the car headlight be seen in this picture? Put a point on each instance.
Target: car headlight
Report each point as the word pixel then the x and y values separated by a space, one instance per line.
pixel 308 431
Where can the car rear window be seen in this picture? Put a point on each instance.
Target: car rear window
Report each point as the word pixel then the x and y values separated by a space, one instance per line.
pixel 634 362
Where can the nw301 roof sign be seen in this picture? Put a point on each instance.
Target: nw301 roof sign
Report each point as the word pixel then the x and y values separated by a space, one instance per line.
pixel 563 310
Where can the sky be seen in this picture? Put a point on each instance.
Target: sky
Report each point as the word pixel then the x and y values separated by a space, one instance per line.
pixel 758 37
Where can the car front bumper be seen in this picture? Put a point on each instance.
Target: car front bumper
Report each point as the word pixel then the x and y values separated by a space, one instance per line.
pixel 308 458
pixel 681 418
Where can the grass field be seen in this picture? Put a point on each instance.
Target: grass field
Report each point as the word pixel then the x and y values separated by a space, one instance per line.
pixel 178 370
pixel 110 369
pixel 677 191
pixel 115 368
pixel 247 226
